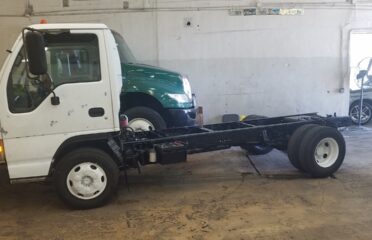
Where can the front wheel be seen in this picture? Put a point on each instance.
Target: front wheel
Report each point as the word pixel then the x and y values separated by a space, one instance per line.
pixel 86 178
pixel 145 119
pixel 322 151
pixel 366 115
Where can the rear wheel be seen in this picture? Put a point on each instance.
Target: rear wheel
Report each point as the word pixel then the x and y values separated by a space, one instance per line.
pixel 86 178
pixel 144 119
pixel 322 151
pixel 294 145
pixel 258 149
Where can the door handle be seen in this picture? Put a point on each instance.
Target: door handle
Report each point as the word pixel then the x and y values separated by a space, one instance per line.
pixel 96 112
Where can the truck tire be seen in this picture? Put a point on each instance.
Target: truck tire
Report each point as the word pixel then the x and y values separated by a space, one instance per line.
pixel 86 178
pixel 259 149
pixel 143 118
pixel 294 145
pixel 354 112
pixel 322 151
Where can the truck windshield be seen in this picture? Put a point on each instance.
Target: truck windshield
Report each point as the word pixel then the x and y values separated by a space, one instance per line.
pixel 126 55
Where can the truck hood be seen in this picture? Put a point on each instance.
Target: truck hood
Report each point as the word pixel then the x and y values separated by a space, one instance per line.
pixel 155 81
pixel 156 75
pixel 151 68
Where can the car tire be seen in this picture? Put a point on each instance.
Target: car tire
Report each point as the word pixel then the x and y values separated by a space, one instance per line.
pixel 86 178
pixel 294 145
pixel 143 118
pixel 322 151
pixel 354 112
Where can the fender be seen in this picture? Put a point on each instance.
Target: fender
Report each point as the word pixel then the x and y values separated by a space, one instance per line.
pixel 99 140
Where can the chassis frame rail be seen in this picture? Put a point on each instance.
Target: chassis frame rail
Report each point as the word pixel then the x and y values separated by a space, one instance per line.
pixel 274 132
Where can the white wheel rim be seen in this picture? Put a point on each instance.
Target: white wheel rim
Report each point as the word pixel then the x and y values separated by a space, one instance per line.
pixel 86 181
pixel 326 152
pixel 141 124
pixel 366 114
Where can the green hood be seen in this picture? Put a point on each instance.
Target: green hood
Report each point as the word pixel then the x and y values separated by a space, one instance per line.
pixel 154 81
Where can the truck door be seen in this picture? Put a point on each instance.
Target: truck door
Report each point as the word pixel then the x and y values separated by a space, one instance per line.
pixel 32 127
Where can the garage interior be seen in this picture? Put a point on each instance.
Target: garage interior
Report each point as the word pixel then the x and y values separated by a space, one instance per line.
pixel 243 57
pixel 218 195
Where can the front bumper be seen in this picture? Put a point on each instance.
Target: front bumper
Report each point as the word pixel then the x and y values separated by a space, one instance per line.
pixel 182 117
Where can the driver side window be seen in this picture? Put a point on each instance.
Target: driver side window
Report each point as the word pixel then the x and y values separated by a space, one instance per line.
pixel 71 58
pixel 24 93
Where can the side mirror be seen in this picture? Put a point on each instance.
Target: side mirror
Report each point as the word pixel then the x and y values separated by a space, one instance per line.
pixel 362 74
pixel 35 49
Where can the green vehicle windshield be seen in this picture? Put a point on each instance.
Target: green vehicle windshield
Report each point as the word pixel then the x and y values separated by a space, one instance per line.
pixel 126 55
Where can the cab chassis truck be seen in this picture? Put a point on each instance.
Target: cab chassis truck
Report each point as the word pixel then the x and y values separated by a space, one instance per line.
pixel 71 133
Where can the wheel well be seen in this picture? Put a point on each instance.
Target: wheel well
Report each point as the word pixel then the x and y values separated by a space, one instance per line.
pixel 131 100
pixel 364 100
pixel 100 142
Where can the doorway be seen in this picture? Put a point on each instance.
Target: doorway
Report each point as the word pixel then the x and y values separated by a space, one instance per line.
pixel 360 55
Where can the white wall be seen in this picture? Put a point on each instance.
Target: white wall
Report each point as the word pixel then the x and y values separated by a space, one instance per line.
pixel 269 65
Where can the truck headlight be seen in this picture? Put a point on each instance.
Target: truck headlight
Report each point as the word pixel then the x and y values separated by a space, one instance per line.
pixel 187 87
pixel 182 98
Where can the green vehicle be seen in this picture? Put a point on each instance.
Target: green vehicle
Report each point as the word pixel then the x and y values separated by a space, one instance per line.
pixel 152 97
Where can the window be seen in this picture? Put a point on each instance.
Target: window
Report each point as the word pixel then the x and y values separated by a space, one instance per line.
pixel 71 58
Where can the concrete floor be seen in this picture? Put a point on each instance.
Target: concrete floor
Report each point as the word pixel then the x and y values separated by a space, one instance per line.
pixel 216 195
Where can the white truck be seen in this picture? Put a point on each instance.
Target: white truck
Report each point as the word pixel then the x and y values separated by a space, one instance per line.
pixel 34 130
pixel 59 119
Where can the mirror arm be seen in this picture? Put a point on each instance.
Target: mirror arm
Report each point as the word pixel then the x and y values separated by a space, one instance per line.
pixel 55 99
pixel 50 83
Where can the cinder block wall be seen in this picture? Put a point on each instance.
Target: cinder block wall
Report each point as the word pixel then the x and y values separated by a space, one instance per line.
pixel 270 65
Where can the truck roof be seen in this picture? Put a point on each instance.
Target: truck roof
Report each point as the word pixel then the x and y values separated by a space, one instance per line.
pixel 69 26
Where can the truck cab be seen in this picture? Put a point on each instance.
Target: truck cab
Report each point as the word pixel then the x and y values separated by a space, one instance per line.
pixel 153 97
pixel 40 120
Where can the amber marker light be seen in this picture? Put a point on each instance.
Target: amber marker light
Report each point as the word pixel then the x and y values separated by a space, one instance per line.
pixel 43 21
pixel 2 152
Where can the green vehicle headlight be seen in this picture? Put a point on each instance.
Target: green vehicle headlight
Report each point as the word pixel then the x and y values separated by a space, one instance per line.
pixel 181 98
pixel 187 87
